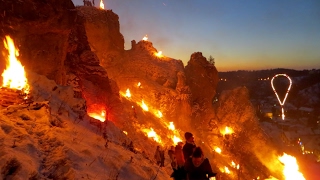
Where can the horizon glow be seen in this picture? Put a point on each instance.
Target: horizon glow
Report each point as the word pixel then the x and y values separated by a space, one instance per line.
pixel 240 35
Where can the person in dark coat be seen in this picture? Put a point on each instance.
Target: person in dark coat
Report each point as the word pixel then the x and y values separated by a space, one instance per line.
pixel 161 157
pixel 189 146
pixel 198 167
pixel 157 156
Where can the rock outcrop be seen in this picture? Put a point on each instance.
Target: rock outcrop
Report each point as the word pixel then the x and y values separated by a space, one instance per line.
pixel 202 78
pixel 52 40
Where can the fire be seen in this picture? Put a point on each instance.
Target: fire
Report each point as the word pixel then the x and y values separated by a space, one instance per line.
pixel 226 170
pixel 152 134
pixel 139 84
pixel 218 150
pixel 291 168
pixel 128 94
pixel 144 106
pixel 14 76
pixel 227 130
pixel 171 126
pixel 145 38
pixel 158 54
pixel 101 4
pixel 125 132
pixel 159 114
pixel 101 117
pixel 233 164
pixel 176 140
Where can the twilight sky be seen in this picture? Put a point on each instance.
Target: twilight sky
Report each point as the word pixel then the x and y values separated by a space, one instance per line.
pixel 239 34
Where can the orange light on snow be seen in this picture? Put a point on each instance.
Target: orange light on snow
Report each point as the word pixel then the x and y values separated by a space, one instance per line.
pixel 14 76
pixel 101 4
pixel 145 38
pixel 291 168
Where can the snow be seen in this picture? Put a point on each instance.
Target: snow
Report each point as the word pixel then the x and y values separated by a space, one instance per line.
pixel 52 138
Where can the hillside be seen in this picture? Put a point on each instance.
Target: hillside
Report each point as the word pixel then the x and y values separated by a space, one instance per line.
pixel 97 111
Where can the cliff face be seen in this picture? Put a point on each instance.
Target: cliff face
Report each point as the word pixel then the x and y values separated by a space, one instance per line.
pixel 41 29
pixel 202 78
pixel 52 41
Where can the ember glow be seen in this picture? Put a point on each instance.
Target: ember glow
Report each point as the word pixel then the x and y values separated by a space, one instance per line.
pixel 128 94
pixel 291 168
pixel 99 116
pixel 285 97
pixel 158 54
pixel 145 38
pixel 14 76
pixel 101 4
pixel 144 106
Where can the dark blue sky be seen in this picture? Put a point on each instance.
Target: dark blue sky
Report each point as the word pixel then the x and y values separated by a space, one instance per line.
pixel 239 34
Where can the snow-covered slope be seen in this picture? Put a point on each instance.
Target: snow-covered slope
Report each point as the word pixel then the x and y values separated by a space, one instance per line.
pixel 49 139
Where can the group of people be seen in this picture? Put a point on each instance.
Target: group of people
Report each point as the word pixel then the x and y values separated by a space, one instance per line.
pixel 188 161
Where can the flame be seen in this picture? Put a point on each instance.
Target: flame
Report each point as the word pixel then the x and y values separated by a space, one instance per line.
pixel 226 170
pixel 218 150
pixel 128 94
pixel 125 132
pixel 175 140
pixel 14 75
pixel 159 114
pixel 291 168
pixel 152 134
pixel 101 117
pixel 139 84
pixel 234 165
pixel 171 126
pixel 145 38
pixel 101 4
pixel 144 106
pixel 158 54
pixel 227 130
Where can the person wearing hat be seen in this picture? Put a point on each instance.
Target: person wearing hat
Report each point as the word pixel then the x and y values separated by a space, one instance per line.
pixel 189 147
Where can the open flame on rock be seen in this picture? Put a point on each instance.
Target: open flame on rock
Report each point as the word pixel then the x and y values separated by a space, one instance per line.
pixel 158 54
pixel 152 134
pixel 145 38
pixel 14 76
pixel 101 4
pixel 101 117
pixel 291 168
pixel 227 130
pixel 128 94
pixel 217 150
pixel 144 106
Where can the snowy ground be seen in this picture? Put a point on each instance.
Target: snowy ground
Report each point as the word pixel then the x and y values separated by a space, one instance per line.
pixel 49 140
